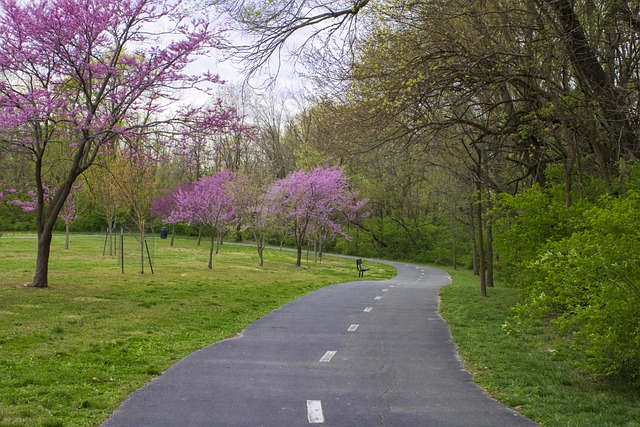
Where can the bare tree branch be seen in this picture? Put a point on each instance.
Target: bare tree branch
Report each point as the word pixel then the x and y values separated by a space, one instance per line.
pixel 271 25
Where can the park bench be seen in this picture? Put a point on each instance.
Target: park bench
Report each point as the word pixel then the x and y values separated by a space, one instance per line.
pixel 360 268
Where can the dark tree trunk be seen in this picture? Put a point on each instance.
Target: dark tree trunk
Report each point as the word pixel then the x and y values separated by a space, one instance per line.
pixel 489 254
pixel 260 251
pixel 299 255
pixel 474 242
pixel 142 248
pixel 45 220
pixel 480 246
pixel 41 278
pixel 213 239
pixel 110 235
pixel 480 224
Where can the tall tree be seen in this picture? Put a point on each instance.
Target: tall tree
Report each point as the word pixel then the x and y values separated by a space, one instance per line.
pixel 77 73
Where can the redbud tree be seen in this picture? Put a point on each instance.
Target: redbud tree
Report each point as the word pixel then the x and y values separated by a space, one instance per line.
pixel 164 205
pixel 78 76
pixel 314 199
pixel 209 203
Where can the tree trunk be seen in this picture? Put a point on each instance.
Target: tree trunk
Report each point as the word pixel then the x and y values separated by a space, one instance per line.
pixel 173 234
pixel 260 251
pixel 220 241
pixel 299 257
pixel 480 232
pixel 110 234
pixel 474 246
pixel 41 278
pixel 142 248
pixel 45 220
pixel 66 235
pixel 259 245
pixel 213 240
pixel 480 245
pixel 489 254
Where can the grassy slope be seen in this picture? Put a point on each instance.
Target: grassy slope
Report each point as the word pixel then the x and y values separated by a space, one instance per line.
pixel 69 354
pixel 527 371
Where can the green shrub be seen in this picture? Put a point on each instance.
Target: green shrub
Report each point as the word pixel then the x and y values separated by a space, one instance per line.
pixel 525 223
pixel 588 286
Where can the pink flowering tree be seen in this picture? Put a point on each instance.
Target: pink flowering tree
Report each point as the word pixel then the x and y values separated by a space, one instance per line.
pixel 255 210
pixel 318 199
pixel 79 76
pixel 163 206
pixel 208 204
pixel 68 214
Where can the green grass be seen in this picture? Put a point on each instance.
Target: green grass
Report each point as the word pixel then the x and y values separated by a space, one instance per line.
pixel 525 369
pixel 71 353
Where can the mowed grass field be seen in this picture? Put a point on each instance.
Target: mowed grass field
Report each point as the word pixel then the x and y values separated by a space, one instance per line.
pixel 71 353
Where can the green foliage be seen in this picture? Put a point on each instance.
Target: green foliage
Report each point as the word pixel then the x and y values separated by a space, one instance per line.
pixel 523 367
pixel 12 218
pixel 585 278
pixel 400 239
pixel 524 223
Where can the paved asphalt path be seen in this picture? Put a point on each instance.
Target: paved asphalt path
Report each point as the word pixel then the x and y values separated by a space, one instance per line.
pixel 365 353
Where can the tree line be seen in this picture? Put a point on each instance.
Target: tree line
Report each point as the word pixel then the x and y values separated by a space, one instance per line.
pixel 517 120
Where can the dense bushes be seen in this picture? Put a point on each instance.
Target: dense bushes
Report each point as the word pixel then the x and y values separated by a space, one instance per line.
pixel 579 271
pixel 417 241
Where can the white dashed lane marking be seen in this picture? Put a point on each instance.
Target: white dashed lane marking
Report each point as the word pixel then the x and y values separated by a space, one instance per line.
pixel 368 309
pixel 385 290
pixel 378 297
pixel 328 356
pixel 353 328
pixel 314 412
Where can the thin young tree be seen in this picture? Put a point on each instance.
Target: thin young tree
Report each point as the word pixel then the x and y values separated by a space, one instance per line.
pixel 209 204
pixel 254 209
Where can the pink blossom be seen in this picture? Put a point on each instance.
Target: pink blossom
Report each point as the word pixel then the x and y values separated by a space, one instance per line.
pixel 316 200
pixel 208 203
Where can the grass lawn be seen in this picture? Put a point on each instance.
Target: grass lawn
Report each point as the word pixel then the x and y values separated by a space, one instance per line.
pixel 527 370
pixel 71 353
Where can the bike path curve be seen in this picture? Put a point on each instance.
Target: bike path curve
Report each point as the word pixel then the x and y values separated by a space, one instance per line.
pixel 364 353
